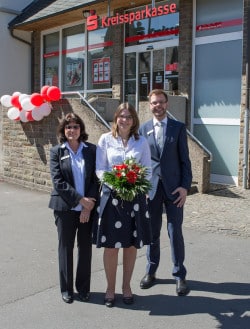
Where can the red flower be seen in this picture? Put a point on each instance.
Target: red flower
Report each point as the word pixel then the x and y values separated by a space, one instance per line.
pixel 131 177
pixel 136 168
pixel 120 167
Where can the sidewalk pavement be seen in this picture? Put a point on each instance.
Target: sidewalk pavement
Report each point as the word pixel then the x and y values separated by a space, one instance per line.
pixel 216 234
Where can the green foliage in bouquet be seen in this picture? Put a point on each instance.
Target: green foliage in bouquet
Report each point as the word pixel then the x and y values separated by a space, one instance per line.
pixel 127 179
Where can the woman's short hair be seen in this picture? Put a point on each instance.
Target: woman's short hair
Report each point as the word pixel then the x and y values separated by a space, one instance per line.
pixel 69 118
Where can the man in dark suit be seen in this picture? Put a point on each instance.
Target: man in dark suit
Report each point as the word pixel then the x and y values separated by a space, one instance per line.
pixel 171 180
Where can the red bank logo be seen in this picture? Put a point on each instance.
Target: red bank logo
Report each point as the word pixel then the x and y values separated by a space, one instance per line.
pixel 93 21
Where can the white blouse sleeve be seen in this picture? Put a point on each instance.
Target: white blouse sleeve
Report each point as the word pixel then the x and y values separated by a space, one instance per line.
pixel 146 157
pixel 101 157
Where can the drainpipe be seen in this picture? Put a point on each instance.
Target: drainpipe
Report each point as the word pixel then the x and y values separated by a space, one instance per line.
pixel 32 54
pixel 246 131
pixel 246 116
pixel 15 12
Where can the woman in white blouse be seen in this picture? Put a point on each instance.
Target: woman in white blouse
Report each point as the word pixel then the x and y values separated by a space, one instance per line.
pixel 121 224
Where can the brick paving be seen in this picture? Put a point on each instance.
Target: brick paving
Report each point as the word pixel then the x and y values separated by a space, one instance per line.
pixel 225 210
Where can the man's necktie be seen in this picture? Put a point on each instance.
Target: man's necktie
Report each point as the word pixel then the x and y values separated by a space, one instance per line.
pixel 160 135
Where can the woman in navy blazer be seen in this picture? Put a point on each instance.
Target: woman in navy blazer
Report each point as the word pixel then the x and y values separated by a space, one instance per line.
pixel 72 166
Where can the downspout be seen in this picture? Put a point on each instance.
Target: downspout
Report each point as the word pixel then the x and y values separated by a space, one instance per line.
pixel 15 12
pixel 31 55
pixel 18 38
pixel 246 116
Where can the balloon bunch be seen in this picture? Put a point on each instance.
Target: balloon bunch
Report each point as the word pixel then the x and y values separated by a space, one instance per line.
pixel 34 107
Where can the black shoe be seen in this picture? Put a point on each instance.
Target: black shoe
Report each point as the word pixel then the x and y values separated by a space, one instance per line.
pixel 128 300
pixel 147 281
pixel 84 297
pixel 182 288
pixel 67 298
pixel 109 302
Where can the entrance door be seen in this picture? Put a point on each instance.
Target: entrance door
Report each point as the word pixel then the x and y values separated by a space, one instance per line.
pixel 150 69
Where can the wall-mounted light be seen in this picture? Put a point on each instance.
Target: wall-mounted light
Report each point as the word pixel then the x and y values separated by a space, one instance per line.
pixel 87 13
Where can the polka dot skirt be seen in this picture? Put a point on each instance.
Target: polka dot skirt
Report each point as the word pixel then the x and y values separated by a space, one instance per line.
pixel 123 224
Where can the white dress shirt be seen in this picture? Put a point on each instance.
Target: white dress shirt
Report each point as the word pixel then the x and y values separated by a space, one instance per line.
pixel 111 151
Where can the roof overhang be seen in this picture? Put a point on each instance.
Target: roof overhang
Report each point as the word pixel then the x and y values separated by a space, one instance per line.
pixel 71 15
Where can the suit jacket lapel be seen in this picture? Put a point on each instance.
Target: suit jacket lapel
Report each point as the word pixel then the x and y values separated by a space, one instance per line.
pixel 65 158
pixel 155 154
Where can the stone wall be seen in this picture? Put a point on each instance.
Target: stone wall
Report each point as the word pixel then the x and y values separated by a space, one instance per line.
pixel 26 146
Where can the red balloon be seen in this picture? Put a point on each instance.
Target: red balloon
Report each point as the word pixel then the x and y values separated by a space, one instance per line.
pixel 44 90
pixel 54 93
pixel 15 101
pixel 36 99
pixel 29 116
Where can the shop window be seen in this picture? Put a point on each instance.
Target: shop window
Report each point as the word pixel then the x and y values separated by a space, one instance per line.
pixel 73 54
pixel 51 59
pixel 100 49
pixel 163 23
pixel 216 17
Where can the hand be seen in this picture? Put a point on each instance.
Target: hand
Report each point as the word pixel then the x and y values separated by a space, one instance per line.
pixel 88 203
pixel 84 215
pixel 181 199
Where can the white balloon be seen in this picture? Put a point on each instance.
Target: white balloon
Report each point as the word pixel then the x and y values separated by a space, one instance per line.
pixel 6 100
pixel 22 96
pixel 13 113
pixel 16 93
pixel 26 104
pixel 23 117
pixel 37 115
pixel 45 108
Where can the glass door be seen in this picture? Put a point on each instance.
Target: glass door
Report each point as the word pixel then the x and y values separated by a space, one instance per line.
pixel 147 69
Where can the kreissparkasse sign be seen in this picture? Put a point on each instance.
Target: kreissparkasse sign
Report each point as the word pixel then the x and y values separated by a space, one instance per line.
pixel 94 22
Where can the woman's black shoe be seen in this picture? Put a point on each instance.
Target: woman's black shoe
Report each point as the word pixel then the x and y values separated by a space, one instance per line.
pixel 128 300
pixel 109 302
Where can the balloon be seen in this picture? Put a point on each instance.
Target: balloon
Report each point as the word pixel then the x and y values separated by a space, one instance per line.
pixel 45 108
pixel 36 99
pixel 15 101
pixel 37 115
pixel 13 113
pixel 54 93
pixel 16 93
pixel 22 96
pixel 26 104
pixel 44 93
pixel 6 100
pixel 23 117
pixel 29 116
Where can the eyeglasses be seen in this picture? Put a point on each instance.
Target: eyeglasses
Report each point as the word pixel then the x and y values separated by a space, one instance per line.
pixel 127 117
pixel 156 103
pixel 75 127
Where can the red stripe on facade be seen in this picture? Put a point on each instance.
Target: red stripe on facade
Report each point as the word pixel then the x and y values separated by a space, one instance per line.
pixel 174 31
pixel 218 25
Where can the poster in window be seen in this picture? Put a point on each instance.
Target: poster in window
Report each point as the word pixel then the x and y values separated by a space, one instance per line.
pixel 74 73
pixel 101 70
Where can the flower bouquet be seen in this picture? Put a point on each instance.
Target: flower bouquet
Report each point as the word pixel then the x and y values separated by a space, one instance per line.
pixel 127 179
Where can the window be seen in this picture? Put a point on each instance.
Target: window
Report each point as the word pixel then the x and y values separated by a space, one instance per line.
pixel 73 58
pixel 51 59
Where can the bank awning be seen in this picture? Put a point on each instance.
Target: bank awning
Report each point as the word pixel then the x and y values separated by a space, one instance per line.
pixel 46 14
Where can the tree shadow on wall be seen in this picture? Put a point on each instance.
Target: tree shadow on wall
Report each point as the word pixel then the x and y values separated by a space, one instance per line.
pixel 42 135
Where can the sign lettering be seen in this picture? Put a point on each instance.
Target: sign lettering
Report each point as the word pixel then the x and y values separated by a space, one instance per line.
pixel 130 18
